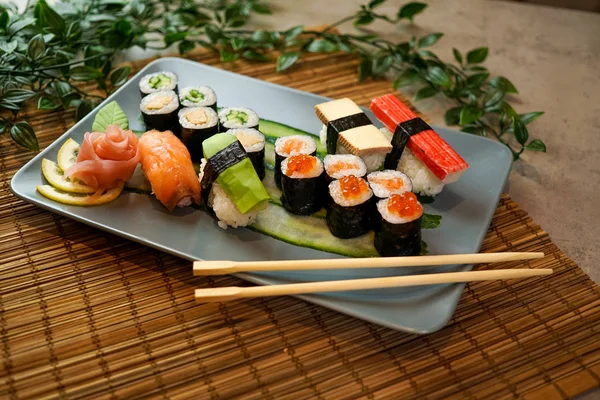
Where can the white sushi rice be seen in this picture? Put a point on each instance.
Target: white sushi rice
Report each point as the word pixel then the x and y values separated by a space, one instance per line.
pixel 145 82
pixel 380 190
pixel 382 207
pixel 209 96
pixel 354 165
pixel 336 193
pixel 309 146
pixel 250 138
pixel 373 162
pixel 316 171
pixel 225 209
pixel 252 117
pixel 423 180
pixel 171 106
pixel 211 118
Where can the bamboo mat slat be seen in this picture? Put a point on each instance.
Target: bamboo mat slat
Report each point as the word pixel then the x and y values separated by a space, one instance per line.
pixel 84 314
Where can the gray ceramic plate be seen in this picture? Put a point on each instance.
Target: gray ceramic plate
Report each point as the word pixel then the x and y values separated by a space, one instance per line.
pixel 467 206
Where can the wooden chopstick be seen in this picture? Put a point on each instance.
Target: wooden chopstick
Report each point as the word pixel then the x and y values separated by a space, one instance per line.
pixel 235 292
pixel 231 267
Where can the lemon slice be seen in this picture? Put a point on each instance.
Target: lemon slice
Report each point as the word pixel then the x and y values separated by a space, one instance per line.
pixel 79 199
pixel 67 155
pixel 55 176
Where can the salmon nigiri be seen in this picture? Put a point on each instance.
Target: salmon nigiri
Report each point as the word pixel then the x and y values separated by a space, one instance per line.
pixel 168 166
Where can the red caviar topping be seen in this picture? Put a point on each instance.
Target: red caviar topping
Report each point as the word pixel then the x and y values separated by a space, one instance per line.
pixel 301 163
pixel 352 186
pixel 404 205
pixel 292 146
pixel 340 166
pixel 389 184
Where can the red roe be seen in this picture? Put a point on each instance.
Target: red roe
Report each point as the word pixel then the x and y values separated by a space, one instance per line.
pixel 352 186
pixel 301 163
pixel 404 205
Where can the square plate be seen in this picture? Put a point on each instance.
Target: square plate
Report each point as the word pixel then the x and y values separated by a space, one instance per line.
pixel 467 206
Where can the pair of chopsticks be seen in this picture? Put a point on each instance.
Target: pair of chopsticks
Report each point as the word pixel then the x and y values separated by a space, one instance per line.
pixel 234 292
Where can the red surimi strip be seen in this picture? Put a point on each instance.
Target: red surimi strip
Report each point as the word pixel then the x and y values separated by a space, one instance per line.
pixel 427 146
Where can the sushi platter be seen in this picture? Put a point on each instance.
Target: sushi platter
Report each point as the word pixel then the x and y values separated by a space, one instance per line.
pixel 207 165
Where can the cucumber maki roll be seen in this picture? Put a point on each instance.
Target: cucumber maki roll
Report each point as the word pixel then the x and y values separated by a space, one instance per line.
pixel 301 184
pixel 229 184
pixel 157 82
pixel 198 96
pixel 398 232
pixel 348 213
pixel 238 117
pixel 159 111
pixel 254 144
pixel 290 146
pixel 197 124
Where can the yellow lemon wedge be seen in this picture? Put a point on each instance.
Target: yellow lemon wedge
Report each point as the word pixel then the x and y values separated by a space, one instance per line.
pixel 79 199
pixel 55 176
pixel 67 155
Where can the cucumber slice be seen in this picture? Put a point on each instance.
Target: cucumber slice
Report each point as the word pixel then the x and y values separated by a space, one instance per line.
pixel 310 232
pixel 274 130
pixel 79 199
pixel 67 155
pixel 56 177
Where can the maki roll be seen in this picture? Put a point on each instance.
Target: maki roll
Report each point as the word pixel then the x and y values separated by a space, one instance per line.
pixel 237 117
pixel 159 111
pixel 157 82
pixel 254 144
pixel 290 146
pixel 198 96
pixel 229 184
pixel 301 184
pixel 197 124
pixel 398 232
pixel 348 214
pixel 388 182
pixel 338 166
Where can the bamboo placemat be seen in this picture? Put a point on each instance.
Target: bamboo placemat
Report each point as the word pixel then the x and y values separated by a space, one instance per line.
pixel 84 314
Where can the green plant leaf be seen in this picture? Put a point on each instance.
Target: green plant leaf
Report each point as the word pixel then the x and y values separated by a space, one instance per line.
pixel 429 40
pixel 2 126
pixel 82 110
pixel 213 33
pixel 186 46
pixel 36 46
pixel 23 134
pixel 19 24
pixel 457 56
pixel 477 56
pixel 365 69
pixel 520 130
pixel 437 76
pixel 452 116
pixel 18 95
pixel 477 79
pixel 84 73
pixel 364 19
pixel 286 60
pixel 261 36
pixel 430 221
pixel 322 46
pixel 492 100
pixel 536 145
pixel 504 83
pixel 530 116
pixel 409 10
pixel 48 18
pixel 424 93
pixel 47 104
pixel 293 33
pixel 382 64
pixel 227 56
pixel 474 130
pixel 4 19
pixel 470 114
pixel 375 3
pixel 9 47
pixel 174 37
pixel 119 76
pixel 111 113
pixel 261 8
pixel 254 55
pixel 237 43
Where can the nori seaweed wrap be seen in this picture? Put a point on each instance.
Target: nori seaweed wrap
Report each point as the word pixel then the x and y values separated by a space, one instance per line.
pixel 302 184
pixel 290 146
pixel 254 144
pixel 398 231
pixel 159 111
pixel 156 82
pixel 198 96
pixel 348 213
pixel 197 124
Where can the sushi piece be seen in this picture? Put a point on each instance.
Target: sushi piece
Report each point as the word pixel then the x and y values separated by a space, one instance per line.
pixel 348 214
pixel 412 132
pixel 159 110
pixel 302 184
pixel 338 166
pixel 398 232
pixel 229 183
pixel 197 124
pixel 167 164
pixel 423 180
pixel 198 96
pixel 388 182
pixel 290 146
pixel 159 81
pixel 237 117
pixel 254 144
pixel 348 130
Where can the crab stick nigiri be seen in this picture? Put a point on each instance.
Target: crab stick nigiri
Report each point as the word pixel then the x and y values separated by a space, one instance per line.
pixel 168 166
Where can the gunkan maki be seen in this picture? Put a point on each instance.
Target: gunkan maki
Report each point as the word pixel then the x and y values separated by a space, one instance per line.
pixel 152 83
pixel 198 96
pixel 254 144
pixel 197 124
pixel 159 111
pixel 398 232
pixel 348 213
pixel 301 184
